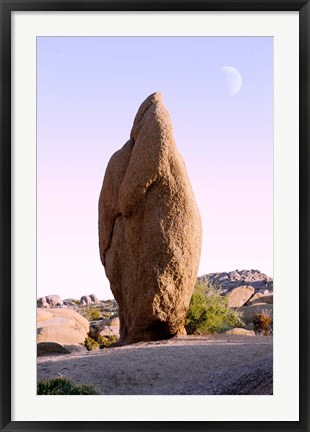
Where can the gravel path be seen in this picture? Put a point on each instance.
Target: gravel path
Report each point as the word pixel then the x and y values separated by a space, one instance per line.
pixel 216 365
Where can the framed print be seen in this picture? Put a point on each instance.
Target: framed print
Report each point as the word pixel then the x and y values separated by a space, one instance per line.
pixel 154 210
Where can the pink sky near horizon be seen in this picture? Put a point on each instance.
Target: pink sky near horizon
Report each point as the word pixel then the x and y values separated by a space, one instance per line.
pixel 88 94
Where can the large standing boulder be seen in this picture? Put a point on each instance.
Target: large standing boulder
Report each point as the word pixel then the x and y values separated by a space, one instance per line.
pixel 149 229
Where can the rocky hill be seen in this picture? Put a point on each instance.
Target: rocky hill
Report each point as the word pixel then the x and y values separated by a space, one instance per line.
pixel 261 283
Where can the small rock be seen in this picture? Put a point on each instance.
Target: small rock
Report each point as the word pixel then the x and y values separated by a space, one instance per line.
pixel 240 332
pixel 69 302
pixel 105 327
pixel 50 348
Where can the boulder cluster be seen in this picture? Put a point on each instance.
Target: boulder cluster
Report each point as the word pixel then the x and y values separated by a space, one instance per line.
pixel 229 280
pixel 52 301
pixel 61 328
pixel 49 301
pixel 89 300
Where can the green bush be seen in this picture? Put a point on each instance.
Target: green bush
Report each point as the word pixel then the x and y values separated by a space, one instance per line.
pixel 208 312
pixel 99 342
pixel 105 341
pixel 94 315
pixel 90 343
pixel 62 386
pixel 90 313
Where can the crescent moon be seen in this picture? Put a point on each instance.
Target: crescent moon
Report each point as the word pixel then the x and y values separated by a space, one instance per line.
pixel 233 79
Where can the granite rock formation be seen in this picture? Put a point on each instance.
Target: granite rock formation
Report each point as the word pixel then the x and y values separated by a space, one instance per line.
pixel 237 297
pixel 49 301
pixel 149 229
pixel 63 326
pixel 85 300
pixel 88 300
pixel 227 281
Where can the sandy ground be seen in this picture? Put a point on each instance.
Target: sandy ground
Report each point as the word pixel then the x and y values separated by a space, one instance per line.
pixel 188 365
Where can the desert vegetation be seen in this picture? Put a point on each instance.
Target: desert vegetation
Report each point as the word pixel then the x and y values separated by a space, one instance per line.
pixel 208 312
pixel 62 386
pixel 263 323
pixel 99 342
pixel 96 312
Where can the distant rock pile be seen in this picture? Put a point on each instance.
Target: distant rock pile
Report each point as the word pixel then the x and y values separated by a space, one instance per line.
pixel 261 283
pixel 49 301
pixel 89 300
pixel 149 229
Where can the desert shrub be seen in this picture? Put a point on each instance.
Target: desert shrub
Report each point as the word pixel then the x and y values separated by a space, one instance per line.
pixel 90 343
pixel 62 386
pixel 99 342
pixel 77 302
pixel 263 323
pixel 105 341
pixel 94 315
pixel 208 312
pixel 90 313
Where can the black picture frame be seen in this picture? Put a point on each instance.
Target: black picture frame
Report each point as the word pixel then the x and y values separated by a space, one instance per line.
pixel 6 8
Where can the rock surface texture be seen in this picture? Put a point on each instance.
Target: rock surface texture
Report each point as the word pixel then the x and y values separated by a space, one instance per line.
pixel 63 326
pixel 149 229
pixel 237 297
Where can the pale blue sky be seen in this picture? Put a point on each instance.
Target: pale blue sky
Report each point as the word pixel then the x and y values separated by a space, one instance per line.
pixel 88 92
